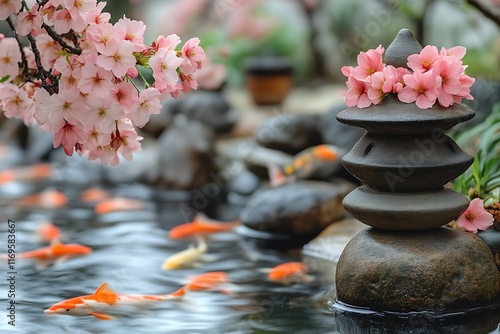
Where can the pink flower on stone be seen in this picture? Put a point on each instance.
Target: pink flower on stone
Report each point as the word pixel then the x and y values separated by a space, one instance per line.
pixel 420 88
pixel 475 217
pixel 369 62
pixel 357 94
pixel 423 61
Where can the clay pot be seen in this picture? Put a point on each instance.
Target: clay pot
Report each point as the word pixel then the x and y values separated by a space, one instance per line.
pixel 268 78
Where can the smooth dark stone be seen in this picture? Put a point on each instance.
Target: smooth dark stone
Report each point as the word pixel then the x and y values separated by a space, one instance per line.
pixel 245 183
pixel 416 163
pixel 186 156
pixel 403 46
pixel 289 133
pixel 303 207
pixel 438 270
pixel 335 133
pixel 210 108
pixel 405 211
pixel 395 117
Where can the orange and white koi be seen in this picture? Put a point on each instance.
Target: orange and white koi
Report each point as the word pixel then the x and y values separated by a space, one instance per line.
pixel 105 300
pixel 94 195
pixel 288 273
pixel 26 173
pixel 118 204
pixel 57 252
pixel 48 232
pixel 201 226
pixel 47 199
pixel 185 258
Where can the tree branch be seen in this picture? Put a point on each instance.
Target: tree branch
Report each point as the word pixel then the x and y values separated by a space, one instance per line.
pixel 24 61
pixel 485 11
pixel 74 50
pixel 42 74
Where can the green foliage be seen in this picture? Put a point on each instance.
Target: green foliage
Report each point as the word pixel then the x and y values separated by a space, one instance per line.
pixel 482 179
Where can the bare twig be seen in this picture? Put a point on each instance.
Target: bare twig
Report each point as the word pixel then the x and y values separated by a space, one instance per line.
pixel 24 61
pixel 75 50
pixel 485 11
pixel 42 74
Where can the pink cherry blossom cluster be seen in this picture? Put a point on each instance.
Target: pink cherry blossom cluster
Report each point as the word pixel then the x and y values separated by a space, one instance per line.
pixel 79 78
pixel 434 76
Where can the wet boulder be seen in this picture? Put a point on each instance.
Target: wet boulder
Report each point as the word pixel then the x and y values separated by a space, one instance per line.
pixel 434 270
pixel 303 207
pixel 289 133
pixel 186 155
pixel 210 108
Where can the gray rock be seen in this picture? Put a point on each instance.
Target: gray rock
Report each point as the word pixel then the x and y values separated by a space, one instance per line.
pixel 210 108
pixel 303 207
pixel 186 155
pixel 335 133
pixel 257 159
pixel 290 133
pixel 245 183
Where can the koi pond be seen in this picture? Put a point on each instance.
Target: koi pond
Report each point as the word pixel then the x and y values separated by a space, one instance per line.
pixel 128 249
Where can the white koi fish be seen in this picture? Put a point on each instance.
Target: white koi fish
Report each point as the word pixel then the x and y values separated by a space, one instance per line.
pixel 186 257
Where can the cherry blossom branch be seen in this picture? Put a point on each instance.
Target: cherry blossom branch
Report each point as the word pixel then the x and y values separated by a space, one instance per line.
pixel 42 74
pixel 24 61
pixel 75 50
pixel 485 11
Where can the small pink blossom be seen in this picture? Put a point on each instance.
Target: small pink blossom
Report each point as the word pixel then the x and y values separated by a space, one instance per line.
pixel 456 52
pixel 117 57
pixel 28 21
pixel 423 61
pixel 96 81
pixel 8 7
pixel 68 135
pixel 148 104
pixel 164 64
pixel 102 115
pixel 134 32
pixel 420 88
pixel 170 42
pixel 193 55
pixel 125 94
pixel 10 56
pixel 475 217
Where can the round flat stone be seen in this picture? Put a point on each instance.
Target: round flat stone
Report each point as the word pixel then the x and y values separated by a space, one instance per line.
pixel 405 211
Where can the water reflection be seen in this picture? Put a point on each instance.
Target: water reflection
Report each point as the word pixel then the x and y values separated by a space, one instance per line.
pixel 128 250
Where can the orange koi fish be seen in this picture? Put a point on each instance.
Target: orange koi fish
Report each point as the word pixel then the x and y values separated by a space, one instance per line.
pixel 26 173
pixel 304 164
pixel 105 300
pixel 94 195
pixel 118 204
pixel 48 232
pixel 57 252
pixel 200 226
pixel 289 272
pixel 47 199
